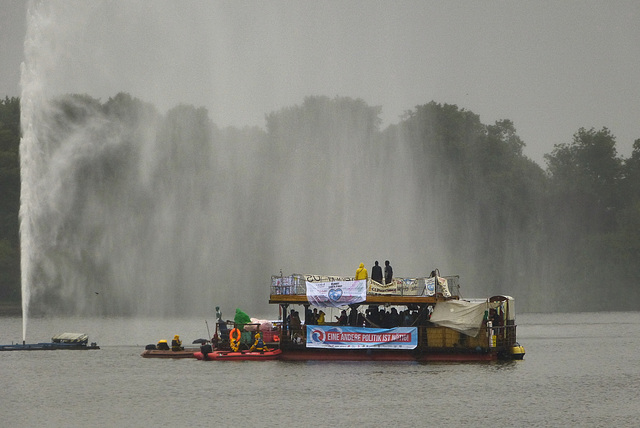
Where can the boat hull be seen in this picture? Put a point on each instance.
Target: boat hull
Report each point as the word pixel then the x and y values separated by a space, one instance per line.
pixel 47 347
pixel 239 356
pixel 368 355
pixel 157 353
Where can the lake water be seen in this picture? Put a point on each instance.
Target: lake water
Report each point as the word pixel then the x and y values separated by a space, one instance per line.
pixel 579 370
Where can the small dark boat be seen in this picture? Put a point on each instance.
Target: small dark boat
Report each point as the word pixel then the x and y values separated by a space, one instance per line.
pixel 238 355
pixel 72 341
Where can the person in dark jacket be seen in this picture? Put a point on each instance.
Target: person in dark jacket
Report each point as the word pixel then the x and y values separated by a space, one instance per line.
pixel 388 272
pixel 376 273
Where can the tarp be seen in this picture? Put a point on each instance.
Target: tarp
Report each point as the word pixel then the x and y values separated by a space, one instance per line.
pixel 70 338
pixel 465 317
pixel 319 336
pixel 241 318
pixel 336 293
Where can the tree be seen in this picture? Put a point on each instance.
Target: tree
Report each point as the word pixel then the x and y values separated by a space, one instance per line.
pixel 585 177
pixel 9 199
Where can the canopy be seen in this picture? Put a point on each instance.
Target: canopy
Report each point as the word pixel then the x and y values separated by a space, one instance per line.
pixel 463 316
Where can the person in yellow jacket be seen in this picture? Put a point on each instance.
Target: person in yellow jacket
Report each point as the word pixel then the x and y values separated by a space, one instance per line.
pixel 176 344
pixel 361 272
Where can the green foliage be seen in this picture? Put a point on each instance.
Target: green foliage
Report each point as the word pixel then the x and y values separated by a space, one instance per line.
pixel 9 199
pixel 503 218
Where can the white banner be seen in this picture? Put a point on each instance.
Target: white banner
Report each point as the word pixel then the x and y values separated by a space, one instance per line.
pixel 327 278
pixel 445 286
pixel 336 293
pixel 430 286
pixel 405 287
pixel 324 336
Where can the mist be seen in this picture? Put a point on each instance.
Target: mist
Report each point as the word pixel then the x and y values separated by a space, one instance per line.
pixel 153 191
pixel 130 210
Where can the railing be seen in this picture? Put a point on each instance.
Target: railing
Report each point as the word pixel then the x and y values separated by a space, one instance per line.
pixel 292 284
pixel 505 335
pixel 296 284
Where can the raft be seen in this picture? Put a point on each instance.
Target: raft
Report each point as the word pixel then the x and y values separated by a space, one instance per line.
pixel 160 353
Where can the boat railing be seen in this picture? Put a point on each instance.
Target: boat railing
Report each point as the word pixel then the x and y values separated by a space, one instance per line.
pixel 247 333
pixel 505 335
pixel 296 284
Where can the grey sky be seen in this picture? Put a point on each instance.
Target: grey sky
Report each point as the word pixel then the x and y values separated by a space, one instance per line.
pixel 551 67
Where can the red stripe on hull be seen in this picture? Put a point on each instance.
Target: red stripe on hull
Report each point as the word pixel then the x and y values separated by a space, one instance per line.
pixel 239 356
pixel 383 356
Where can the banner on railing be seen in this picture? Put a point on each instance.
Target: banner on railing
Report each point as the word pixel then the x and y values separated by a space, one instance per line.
pixel 404 287
pixel 326 278
pixel 377 288
pixel 336 293
pixel 430 286
pixel 321 336
pixel 444 285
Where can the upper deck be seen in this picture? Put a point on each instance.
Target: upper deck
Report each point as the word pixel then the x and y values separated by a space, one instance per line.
pixel 292 289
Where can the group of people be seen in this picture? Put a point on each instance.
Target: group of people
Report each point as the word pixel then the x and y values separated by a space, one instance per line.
pixel 378 317
pixel 176 344
pixel 315 317
pixel 376 273
pixel 382 318
pixel 312 317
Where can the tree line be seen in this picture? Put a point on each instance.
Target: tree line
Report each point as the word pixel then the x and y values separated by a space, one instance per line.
pixel 566 237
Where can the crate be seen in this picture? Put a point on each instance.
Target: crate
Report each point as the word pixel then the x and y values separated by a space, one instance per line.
pixel 442 337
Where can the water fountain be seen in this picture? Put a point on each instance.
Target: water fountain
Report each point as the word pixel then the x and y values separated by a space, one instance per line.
pixel 130 211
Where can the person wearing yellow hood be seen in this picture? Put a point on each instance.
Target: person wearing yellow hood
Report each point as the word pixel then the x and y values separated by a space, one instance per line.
pixel 361 272
pixel 176 344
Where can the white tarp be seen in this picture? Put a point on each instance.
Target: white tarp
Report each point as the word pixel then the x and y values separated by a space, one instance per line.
pixel 70 338
pixel 465 317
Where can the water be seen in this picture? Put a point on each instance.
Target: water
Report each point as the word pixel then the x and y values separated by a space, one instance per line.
pixel 579 370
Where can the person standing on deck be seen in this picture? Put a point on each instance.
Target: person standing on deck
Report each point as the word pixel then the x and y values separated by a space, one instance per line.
pixel 361 272
pixel 376 273
pixel 388 272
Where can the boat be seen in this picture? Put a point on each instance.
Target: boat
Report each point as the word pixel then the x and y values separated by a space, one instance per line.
pixel 247 355
pixel 69 341
pixel 162 353
pixel 163 350
pixel 409 319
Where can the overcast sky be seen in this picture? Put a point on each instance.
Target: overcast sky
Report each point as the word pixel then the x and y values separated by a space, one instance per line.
pixel 551 67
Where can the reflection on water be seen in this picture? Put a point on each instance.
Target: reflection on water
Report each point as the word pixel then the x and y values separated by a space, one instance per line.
pixel 579 369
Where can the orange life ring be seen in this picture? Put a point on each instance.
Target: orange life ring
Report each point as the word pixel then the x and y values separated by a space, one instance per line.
pixel 237 338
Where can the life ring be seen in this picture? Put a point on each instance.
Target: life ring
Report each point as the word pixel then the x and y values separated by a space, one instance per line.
pixel 237 338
